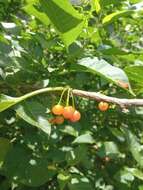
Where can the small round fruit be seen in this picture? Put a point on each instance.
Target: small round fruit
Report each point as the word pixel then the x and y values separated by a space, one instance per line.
pixel 58 109
pixel 76 116
pixel 123 84
pixel 52 121
pixel 103 106
pixel 68 112
pixel 59 120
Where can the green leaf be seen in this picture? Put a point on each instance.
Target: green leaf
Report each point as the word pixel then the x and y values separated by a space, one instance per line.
pixel 113 16
pixel 70 130
pixel 96 5
pixel 31 10
pixel 103 69
pixel 63 179
pixel 79 183
pixel 134 146
pixel 76 155
pixel 110 149
pixel 123 176
pixel 65 18
pixel 35 114
pixel 7 101
pixel 84 139
pixel 135 74
pixel 21 166
pixel 136 172
pixel 5 146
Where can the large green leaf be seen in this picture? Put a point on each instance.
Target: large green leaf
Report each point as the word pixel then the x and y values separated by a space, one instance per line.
pixel 135 74
pixel 7 101
pixel 113 16
pixel 136 172
pixel 21 166
pixel 31 10
pixel 35 114
pixel 5 145
pixel 134 146
pixel 64 17
pixel 110 149
pixel 102 68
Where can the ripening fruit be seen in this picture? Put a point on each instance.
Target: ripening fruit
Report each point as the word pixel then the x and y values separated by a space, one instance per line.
pixel 76 116
pixel 68 112
pixel 123 84
pixel 58 109
pixel 59 120
pixel 103 106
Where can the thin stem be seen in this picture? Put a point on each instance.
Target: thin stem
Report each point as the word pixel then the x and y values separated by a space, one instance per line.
pixel 65 89
pixel 73 102
pixel 40 91
pixel 68 97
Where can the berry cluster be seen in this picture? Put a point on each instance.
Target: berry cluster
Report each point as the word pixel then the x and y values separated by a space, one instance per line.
pixel 67 112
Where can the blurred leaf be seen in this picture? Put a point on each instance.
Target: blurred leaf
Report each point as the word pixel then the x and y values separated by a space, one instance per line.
pixel 96 5
pixel 65 18
pixel 63 179
pixel 135 74
pixel 109 149
pixel 113 16
pixel 134 146
pixel 124 176
pixel 70 131
pixel 84 139
pixel 104 69
pixel 7 101
pixel 5 146
pixel 136 172
pixel 79 183
pixel 76 155
pixel 35 114
pixel 21 166
pixel 31 10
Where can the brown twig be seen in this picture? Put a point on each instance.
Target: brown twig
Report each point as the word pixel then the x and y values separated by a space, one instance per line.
pixel 100 97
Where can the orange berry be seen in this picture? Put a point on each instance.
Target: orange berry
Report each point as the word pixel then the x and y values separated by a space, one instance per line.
pixel 76 116
pixel 103 106
pixel 58 109
pixel 68 112
pixel 59 120
pixel 123 84
pixel 52 121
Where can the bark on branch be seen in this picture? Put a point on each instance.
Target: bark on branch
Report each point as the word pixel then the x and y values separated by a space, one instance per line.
pixel 100 97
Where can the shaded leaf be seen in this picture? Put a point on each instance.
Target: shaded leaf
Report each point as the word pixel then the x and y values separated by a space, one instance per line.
pixel 7 101
pixel 84 139
pixel 65 18
pixel 113 16
pixel 35 114
pixel 21 166
pixel 5 146
pixel 103 69
pixel 134 146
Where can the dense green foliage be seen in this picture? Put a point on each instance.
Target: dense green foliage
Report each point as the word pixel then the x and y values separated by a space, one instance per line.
pixel 89 45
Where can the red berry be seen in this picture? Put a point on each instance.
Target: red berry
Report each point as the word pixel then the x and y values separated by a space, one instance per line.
pixel 103 106
pixel 68 112
pixel 76 116
pixel 59 120
pixel 58 109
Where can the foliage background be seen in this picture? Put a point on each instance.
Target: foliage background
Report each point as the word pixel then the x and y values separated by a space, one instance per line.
pixel 44 43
